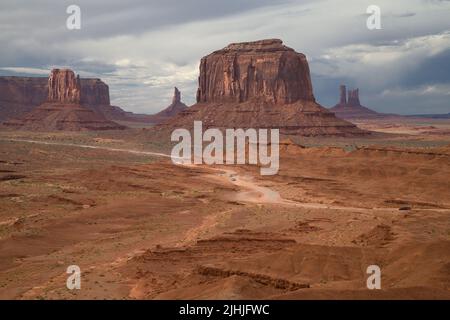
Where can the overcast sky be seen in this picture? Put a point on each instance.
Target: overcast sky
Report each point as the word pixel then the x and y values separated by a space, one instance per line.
pixel 142 48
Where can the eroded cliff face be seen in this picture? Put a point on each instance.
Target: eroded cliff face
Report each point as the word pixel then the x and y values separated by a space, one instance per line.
pixel 64 86
pixel 260 84
pixel 94 92
pixel 19 95
pixel 264 70
pixel 353 97
pixel 62 109
pixel 26 90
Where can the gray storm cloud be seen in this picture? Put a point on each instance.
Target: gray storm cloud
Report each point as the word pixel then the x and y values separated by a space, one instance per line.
pixel 144 48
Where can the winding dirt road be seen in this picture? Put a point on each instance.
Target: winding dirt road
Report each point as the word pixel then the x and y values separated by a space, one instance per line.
pixel 250 190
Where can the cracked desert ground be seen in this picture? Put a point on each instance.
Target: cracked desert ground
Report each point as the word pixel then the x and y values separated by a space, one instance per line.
pixel 141 227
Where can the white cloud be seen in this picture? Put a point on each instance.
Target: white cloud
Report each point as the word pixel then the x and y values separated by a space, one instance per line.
pixel 375 67
pixel 425 90
pixel 34 71
pixel 123 62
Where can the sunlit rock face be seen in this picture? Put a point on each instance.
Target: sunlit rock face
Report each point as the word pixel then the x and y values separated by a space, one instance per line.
pixel 266 69
pixel 64 86
pixel 260 84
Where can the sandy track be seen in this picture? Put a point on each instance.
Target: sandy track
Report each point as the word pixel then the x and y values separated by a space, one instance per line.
pixel 253 192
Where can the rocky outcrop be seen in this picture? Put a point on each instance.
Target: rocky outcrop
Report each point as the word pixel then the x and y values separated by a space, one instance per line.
pixel 260 84
pixel 265 70
pixel 62 109
pixel 343 95
pixel 175 107
pixel 176 99
pixel 172 110
pixel 19 95
pixel 353 97
pixel 350 108
pixel 94 92
pixel 64 86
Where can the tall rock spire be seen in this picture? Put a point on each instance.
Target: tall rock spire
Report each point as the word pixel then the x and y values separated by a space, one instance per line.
pixel 343 94
pixel 353 97
pixel 176 96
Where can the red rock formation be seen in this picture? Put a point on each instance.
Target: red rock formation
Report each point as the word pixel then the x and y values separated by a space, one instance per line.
pixel 63 110
pixel 353 97
pixel 343 95
pixel 262 69
pixel 64 86
pixel 352 108
pixel 176 96
pixel 175 107
pixel 172 110
pixel 94 92
pixel 19 95
pixel 261 84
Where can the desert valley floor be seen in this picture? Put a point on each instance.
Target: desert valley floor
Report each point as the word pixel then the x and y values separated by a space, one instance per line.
pixel 141 227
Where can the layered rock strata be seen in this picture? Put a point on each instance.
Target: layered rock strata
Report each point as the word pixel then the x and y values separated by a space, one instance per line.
pixel 62 109
pixel 260 84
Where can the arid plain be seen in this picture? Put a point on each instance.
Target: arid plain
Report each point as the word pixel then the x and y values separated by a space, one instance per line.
pixel 141 227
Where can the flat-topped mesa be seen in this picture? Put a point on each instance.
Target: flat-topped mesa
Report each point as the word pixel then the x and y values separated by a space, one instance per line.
pixel 63 109
pixel 94 92
pixel 264 70
pixel 260 84
pixel 259 45
pixel 353 97
pixel 64 86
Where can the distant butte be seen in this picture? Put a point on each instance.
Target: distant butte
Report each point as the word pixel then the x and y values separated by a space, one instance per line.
pixel 20 95
pixel 62 109
pixel 350 108
pixel 260 84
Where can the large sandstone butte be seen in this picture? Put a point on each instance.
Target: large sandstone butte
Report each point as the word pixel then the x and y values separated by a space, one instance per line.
pixel 263 69
pixel 260 84
pixel 172 110
pixel 351 108
pixel 20 95
pixel 62 109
